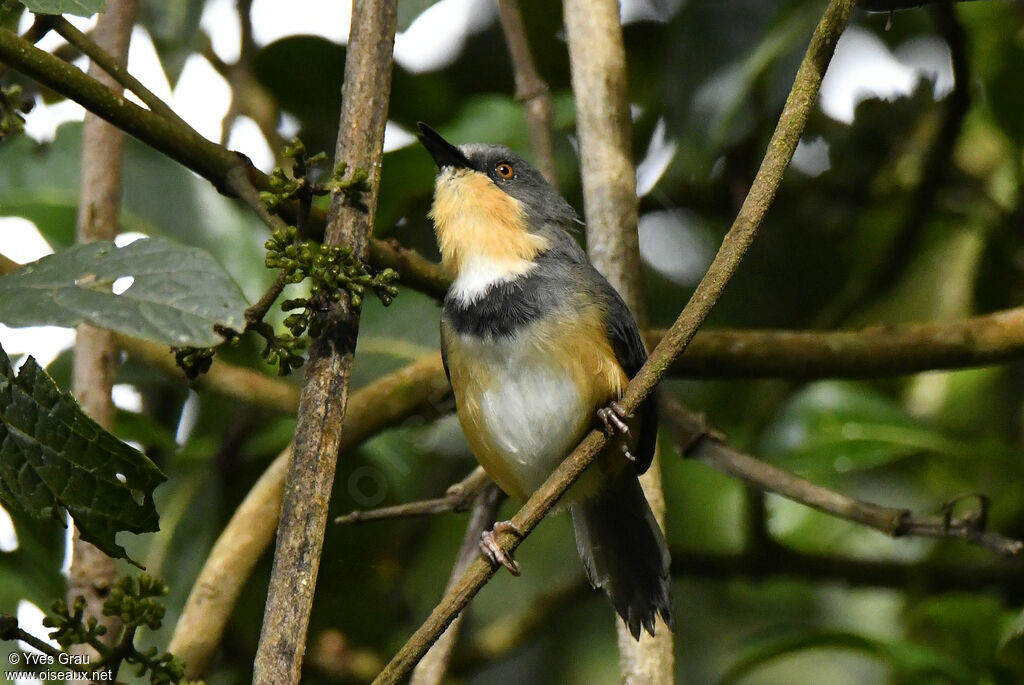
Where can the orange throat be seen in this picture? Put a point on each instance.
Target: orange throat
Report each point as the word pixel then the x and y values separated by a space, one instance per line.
pixel 481 231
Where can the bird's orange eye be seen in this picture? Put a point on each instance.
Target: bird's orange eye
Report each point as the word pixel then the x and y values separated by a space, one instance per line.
pixel 505 170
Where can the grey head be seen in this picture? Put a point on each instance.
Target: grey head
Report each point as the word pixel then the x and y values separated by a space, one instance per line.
pixel 510 172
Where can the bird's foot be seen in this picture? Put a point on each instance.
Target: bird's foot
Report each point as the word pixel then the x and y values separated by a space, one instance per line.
pixel 492 550
pixel 613 422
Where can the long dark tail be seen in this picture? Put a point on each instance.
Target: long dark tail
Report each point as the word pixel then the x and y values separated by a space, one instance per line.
pixel 624 552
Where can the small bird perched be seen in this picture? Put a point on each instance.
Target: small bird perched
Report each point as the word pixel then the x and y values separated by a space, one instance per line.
pixel 536 344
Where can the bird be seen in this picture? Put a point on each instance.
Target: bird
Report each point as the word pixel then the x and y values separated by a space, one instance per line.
pixel 538 347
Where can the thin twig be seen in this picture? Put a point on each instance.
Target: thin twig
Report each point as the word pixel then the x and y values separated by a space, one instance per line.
pixel 531 89
pixel 116 70
pixel 457 498
pixel 432 668
pixel 322 404
pixel 700 442
pixel 734 247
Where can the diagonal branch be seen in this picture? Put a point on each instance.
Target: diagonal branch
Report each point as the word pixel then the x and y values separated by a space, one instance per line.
pixel 739 238
pixel 183 144
pixel 701 442
pixel 114 69
pixel 431 670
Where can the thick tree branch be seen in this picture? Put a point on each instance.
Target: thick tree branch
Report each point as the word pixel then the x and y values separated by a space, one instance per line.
pixel 699 441
pixel 92 573
pixel 322 404
pixel 184 145
pixel 736 242
pixel 874 352
pixel 531 89
pixel 413 390
pixel 597 58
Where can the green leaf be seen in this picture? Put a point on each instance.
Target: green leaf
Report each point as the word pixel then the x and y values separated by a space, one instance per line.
pixel 180 295
pixel 54 457
pixel 833 427
pixel 410 10
pixel 82 8
pixel 912 662
pixel 1011 646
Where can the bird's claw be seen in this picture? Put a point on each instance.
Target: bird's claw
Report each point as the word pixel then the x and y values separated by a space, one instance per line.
pixel 611 417
pixel 492 550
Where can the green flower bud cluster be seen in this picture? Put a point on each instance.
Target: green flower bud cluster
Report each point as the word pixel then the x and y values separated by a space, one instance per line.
pixel 194 361
pixel 283 188
pixel 330 269
pixel 283 350
pixel 13 107
pixel 133 600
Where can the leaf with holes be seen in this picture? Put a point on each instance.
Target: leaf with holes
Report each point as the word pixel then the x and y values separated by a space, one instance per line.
pixel 53 457
pixel 175 294
pixel 82 8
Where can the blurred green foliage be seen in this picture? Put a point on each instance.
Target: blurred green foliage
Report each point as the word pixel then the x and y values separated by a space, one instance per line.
pixel 716 73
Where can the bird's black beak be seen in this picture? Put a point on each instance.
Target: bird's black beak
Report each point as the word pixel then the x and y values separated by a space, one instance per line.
pixel 444 153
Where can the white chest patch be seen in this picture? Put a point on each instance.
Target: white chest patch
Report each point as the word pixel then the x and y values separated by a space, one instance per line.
pixel 532 409
pixel 479 273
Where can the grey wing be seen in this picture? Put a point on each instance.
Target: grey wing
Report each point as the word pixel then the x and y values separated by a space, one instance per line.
pixel 628 345
pixel 444 355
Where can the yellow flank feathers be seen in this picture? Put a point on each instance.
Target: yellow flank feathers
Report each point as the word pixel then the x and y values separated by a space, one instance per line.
pixel 474 218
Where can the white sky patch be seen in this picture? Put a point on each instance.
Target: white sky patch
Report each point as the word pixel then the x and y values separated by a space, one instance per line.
pixel 660 152
pixel 221 23
pixel 811 157
pixel 8 536
pixel 189 416
pixel 862 68
pixel 930 57
pixel 289 126
pixel 396 137
pixel 30 619
pixel 144 64
pixel 45 343
pixel 673 242
pixel 126 397
pixel 273 19
pixel 648 10
pixel 123 239
pixel 247 138
pixel 42 122
pixel 121 285
pixel 435 39
pixel 21 241
pixel 202 97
